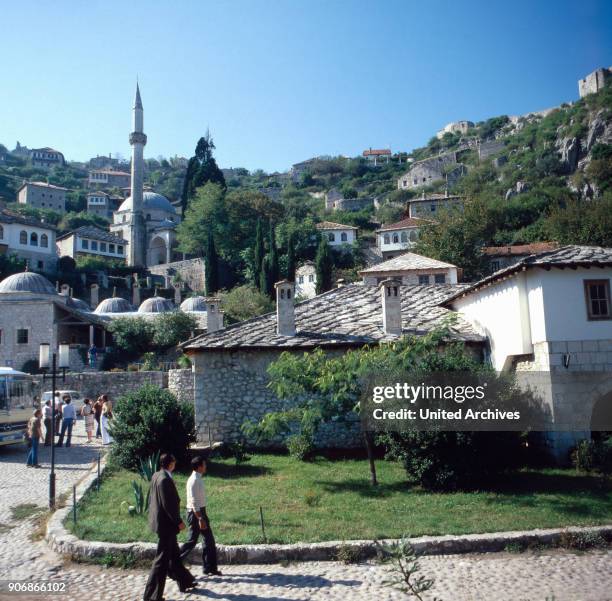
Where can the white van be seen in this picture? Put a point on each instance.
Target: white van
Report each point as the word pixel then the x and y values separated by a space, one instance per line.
pixel 75 395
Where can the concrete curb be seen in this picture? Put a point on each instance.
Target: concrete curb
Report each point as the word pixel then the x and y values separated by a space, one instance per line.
pixel 61 541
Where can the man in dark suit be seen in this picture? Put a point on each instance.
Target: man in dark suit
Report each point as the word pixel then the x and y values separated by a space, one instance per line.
pixel 165 520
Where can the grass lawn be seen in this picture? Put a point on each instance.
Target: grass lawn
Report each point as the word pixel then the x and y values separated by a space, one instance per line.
pixel 332 500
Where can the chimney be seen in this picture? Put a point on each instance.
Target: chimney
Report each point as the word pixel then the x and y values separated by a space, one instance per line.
pixel 285 311
pixel 65 290
pixel 340 283
pixel 94 295
pixel 391 306
pixel 214 315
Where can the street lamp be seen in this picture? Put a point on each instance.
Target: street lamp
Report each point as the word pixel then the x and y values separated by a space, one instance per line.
pixel 48 360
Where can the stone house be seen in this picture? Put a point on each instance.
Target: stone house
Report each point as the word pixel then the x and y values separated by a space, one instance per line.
pixel 396 238
pixel 229 366
pixel 108 178
pixel 102 204
pixel 93 242
pixel 428 205
pixel 443 167
pixel 46 158
pixel 306 280
pixel 460 127
pixel 410 268
pixel 500 257
pixel 42 195
pixel 594 81
pixel 548 317
pixel 337 234
pixel 29 239
pixel 375 155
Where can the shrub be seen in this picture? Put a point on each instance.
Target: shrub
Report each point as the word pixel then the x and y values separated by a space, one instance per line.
pixel 171 328
pixel 593 455
pixel 300 446
pixel 150 420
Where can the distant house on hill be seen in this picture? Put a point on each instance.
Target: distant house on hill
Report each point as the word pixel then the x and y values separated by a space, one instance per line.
pixel 337 234
pixel 460 127
pixel 396 238
pixel 443 167
pixel 103 162
pixel 91 241
pixel 376 154
pixel 102 204
pixel 42 195
pixel 500 257
pixel 410 268
pixel 594 82
pixel 427 206
pixel 108 178
pixel 46 158
pixel 306 280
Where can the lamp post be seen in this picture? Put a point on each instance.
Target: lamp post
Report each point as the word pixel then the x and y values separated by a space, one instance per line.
pixel 48 360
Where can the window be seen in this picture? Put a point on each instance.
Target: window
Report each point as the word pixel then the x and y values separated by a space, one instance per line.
pixel 331 237
pixel 440 278
pixel 41 265
pixel 111 248
pixel 395 238
pixel 311 278
pixel 44 241
pixel 23 237
pixel 494 265
pixel 1 232
pixel 343 237
pixel 301 279
pixel 433 208
pixel 120 249
pixel 22 336
pixel 94 245
pixel 413 235
pixel 33 239
pixel 85 244
pixel 404 237
pixel 597 293
pixel 423 279
pixel 103 247
pixel 387 239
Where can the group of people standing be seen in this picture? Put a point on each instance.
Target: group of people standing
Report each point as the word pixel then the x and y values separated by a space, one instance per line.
pixel 100 412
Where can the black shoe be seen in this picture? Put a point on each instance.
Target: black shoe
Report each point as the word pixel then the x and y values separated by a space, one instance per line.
pixel 185 587
pixel 213 573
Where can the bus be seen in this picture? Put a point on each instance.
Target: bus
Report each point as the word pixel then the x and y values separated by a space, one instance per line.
pixel 16 405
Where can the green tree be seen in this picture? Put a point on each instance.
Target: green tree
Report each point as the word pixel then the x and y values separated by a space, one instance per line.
pixel 273 256
pixel 258 252
pixel 244 302
pixel 211 265
pixel 324 264
pixel 290 260
pixel 132 335
pixel 266 281
pixel 172 328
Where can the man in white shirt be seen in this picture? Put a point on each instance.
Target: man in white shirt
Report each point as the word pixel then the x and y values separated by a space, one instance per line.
pixel 198 520
pixel 68 417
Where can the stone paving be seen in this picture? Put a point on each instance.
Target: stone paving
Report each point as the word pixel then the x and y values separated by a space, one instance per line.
pixel 557 575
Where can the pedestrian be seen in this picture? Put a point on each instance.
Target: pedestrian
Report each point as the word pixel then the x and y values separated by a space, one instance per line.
pixel 98 413
pixel 105 420
pixel 68 419
pixel 33 435
pixel 47 416
pixel 88 415
pixel 58 413
pixel 165 520
pixel 92 353
pixel 197 519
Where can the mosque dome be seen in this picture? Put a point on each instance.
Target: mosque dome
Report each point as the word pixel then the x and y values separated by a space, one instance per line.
pixel 77 303
pixel 194 303
pixel 115 304
pixel 151 201
pixel 155 304
pixel 27 282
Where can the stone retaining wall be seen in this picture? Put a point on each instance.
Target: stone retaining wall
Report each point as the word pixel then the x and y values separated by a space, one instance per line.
pixel 180 383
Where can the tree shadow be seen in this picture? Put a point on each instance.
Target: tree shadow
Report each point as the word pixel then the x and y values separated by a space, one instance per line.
pixel 535 481
pixel 243 470
pixel 364 488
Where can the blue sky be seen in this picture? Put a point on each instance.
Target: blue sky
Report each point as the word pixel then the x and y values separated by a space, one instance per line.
pixel 278 81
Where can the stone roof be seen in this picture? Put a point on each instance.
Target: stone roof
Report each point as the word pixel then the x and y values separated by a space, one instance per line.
pixel 343 317
pixel 89 231
pixel 27 281
pixel 404 223
pixel 114 304
pixel 571 256
pixel 151 201
pixel 7 216
pixel 194 303
pixel 519 249
pixel 376 152
pixel 155 304
pixel 405 262
pixel 330 225
pixel 42 185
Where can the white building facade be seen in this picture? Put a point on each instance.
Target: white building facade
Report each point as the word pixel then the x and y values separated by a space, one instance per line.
pixel 396 238
pixel 306 280
pixel 91 241
pixel 337 234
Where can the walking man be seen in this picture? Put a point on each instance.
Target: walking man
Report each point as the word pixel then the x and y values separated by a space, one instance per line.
pixel 197 519
pixel 68 417
pixel 165 520
pixel 47 413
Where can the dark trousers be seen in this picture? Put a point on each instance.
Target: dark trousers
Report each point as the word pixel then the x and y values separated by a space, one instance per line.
pixel 48 440
pixel 58 421
pixel 209 548
pixel 66 427
pixel 33 453
pixel 167 562
pixel 98 431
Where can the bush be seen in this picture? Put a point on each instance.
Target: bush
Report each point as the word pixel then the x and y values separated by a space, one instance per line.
pixel 300 447
pixel 150 420
pixel 453 460
pixel 593 455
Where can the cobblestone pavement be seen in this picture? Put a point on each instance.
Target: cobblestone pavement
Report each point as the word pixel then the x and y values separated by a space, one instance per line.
pixel 561 576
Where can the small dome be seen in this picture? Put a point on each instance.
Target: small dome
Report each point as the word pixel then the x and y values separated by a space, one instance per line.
pixel 194 303
pixel 155 304
pixel 77 303
pixel 151 201
pixel 27 282
pixel 115 304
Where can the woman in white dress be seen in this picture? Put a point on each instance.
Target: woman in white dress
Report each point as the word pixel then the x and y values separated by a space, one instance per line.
pixel 105 421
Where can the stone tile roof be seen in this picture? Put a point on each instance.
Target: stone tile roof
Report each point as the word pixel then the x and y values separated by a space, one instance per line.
pixel 7 216
pixel 89 231
pixel 343 317
pixel 404 223
pixel 42 185
pixel 519 249
pixel 571 256
pixel 407 261
pixel 330 225
pixel 377 152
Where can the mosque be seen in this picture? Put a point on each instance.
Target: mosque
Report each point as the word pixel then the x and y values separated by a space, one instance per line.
pixel 145 219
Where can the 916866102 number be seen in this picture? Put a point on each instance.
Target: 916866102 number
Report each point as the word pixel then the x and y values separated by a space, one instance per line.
pixel 33 587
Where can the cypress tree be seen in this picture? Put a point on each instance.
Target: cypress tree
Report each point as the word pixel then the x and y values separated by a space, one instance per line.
pixel 258 252
pixel 273 265
pixel 211 265
pixel 290 259
pixel 324 264
pixel 266 283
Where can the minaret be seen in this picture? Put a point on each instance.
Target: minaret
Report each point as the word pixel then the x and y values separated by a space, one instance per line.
pixel 138 235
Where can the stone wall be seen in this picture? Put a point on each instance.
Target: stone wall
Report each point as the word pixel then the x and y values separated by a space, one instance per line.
pixel 191 271
pixel 93 384
pixel 180 383
pixel 232 387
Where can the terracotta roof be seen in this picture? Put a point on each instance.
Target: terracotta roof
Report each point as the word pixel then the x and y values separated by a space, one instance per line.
pixel 343 317
pixel 566 256
pixel 519 249
pixel 405 262
pixel 7 216
pixel 404 223
pixel 376 152
pixel 330 225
